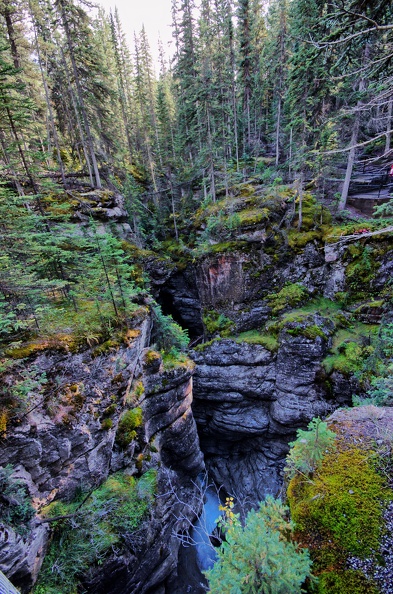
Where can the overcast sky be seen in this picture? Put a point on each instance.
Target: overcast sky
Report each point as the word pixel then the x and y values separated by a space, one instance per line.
pixel 154 14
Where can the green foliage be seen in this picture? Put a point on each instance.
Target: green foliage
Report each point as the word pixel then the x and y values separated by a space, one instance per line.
pixel 361 270
pixel 289 296
pixel 116 508
pixel 174 358
pixel 338 512
pixel 18 394
pixel 353 350
pixel 347 361
pixel 106 424
pixel 268 341
pixel 216 323
pixel 16 509
pixel 309 331
pixel 309 448
pixel 166 333
pixel 259 557
pixel 346 582
pixel 378 367
pixel 129 422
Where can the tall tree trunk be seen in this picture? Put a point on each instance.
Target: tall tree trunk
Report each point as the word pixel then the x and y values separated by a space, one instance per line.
pixel 350 163
pixel 278 124
pixel 80 96
pixel 354 138
pixel 48 103
pixel 78 121
pixel 389 126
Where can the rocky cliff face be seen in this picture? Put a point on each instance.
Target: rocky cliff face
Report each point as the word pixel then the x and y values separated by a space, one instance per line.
pixel 67 440
pixel 248 399
pixel 248 404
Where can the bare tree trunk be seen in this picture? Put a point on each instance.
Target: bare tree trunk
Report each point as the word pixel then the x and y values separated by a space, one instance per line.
pixel 389 126
pixel 48 104
pixel 78 122
pixel 354 139
pixel 300 195
pixel 278 124
pixel 211 166
pixel 351 160
pixel 80 97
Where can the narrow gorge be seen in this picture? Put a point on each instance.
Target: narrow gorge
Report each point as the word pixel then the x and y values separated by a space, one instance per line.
pixel 271 328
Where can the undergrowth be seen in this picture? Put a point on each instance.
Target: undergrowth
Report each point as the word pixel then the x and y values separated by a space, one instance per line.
pixel 88 530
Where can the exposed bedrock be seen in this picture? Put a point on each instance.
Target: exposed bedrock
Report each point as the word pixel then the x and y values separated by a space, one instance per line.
pixel 65 443
pixel 179 297
pixel 248 403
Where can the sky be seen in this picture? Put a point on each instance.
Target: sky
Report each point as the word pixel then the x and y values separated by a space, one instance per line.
pixel 154 14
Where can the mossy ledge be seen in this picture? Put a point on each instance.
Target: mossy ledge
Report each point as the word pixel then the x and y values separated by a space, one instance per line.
pixel 340 509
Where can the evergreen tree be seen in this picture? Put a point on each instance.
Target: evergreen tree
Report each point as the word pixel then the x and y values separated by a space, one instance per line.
pixel 260 556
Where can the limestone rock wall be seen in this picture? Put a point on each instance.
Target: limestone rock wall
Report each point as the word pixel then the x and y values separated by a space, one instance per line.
pixel 64 442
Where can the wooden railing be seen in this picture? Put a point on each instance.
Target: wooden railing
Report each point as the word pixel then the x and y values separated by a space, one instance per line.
pixel 6 587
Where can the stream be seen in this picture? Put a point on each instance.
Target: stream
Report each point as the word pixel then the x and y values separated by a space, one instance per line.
pixel 200 556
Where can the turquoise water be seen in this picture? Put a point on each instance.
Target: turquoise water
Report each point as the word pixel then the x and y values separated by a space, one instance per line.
pixel 204 527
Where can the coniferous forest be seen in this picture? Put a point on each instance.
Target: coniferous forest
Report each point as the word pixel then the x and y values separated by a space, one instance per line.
pixel 223 217
pixel 293 92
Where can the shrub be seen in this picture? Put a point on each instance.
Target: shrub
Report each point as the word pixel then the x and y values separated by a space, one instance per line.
pixel 15 504
pixel 216 323
pixel 309 448
pixel 97 524
pixel 260 556
pixel 129 422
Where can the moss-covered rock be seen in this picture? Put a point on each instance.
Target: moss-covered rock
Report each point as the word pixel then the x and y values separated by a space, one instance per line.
pixel 339 508
pixel 129 422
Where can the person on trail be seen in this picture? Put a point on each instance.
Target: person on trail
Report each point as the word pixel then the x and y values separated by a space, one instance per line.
pixel 390 174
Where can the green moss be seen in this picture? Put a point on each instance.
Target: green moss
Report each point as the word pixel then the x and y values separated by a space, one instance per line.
pixel 129 422
pixel 152 358
pixel 106 424
pixel 207 344
pixel 314 215
pixel 215 322
pixel 346 582
pixel 310 332
pixel 350 349
pixel 59 342
pixel 338 512
pixel 112 344
pixel 298 240
pixel 227 246
pixel 98 524
pixel 269 341
pixel 252 216
pixel 246 190
pixel 174 359
pixel 290 295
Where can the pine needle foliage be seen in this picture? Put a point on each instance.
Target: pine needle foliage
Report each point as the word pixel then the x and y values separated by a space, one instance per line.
pixel 309 448
pixel 260 557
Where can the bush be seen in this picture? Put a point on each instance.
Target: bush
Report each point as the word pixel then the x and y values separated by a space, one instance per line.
pixel 309 448
pixel 15 504
pixel 96 525
pixel 260 556
pixel 216 323
pixel 129 422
